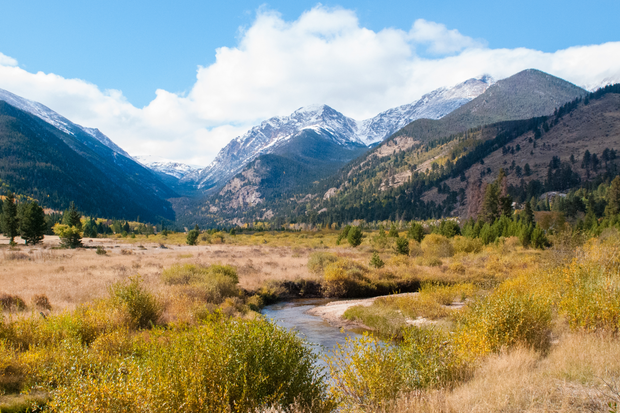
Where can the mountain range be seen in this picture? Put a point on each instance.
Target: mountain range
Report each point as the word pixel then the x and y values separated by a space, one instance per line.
pixel 414 161
pixel 277 134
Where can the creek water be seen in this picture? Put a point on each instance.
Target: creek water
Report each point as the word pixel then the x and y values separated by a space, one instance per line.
pixel 293 315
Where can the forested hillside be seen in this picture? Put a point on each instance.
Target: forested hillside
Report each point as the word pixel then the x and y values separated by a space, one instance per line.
pixel 40 161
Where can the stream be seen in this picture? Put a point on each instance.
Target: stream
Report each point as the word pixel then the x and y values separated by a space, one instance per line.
pixel 292 315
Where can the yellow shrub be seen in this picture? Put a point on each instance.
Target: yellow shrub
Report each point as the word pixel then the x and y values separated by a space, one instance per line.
pixel 435 245
pixel 467 245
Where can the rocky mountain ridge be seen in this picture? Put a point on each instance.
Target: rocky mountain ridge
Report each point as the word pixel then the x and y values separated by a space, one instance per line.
pixel 272 134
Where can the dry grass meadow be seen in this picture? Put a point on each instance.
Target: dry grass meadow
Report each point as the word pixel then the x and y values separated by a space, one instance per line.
pixel 506 329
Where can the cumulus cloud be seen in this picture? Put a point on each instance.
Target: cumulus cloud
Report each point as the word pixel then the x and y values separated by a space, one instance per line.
pixel 325 56
pixel 439 39
pixel 7 60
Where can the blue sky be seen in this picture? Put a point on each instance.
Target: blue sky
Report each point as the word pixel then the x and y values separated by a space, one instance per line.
pixel 140 46
pixel 179 80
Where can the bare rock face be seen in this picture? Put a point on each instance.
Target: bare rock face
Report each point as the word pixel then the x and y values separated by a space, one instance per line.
pixel 330 192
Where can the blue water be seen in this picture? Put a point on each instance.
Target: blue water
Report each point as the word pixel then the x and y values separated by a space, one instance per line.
pixel 320 334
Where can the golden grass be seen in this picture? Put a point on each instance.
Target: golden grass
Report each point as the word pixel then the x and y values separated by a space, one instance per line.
pixel 571 379
pixel 72 277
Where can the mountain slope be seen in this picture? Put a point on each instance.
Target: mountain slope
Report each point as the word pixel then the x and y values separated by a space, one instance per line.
pixel 273 135
pixel 524 95
pixel 46 114
pixel 54 167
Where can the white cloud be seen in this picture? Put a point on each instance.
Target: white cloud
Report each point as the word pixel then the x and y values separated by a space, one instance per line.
pixel 7 60
pixel 324 56
pixel 439 39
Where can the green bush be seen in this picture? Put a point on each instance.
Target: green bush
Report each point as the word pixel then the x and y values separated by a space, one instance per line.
pixel 402 246
pixel 355 236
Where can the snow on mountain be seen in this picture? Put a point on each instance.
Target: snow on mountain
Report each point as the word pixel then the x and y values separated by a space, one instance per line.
pixel 342 130
pixel 272 134
pixel 47 115
pixel 610 80
pixel 433 105
pixel 176 169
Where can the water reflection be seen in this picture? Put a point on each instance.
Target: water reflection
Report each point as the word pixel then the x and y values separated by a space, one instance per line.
pixel 293 315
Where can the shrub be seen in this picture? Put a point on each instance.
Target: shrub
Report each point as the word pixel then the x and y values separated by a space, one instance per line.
pixel 346 278
pixel 467 245
pixel 505 318
pixel 101 250
pixel 435 245
pixel 41 302
pixel 221 366
pixel 70 237
pixel 402 246
pixel 355 236
pixel 366 373
pixel 319 260
pixel 184 274
pixel 10 302
pixel 143 308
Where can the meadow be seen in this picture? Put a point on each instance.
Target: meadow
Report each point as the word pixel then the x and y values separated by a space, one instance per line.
pixel 152 324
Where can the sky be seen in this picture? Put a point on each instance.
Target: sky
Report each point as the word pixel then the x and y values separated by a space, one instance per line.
pixel 178 80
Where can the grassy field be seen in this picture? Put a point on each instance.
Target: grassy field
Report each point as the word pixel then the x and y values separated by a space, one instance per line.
pixel 494 328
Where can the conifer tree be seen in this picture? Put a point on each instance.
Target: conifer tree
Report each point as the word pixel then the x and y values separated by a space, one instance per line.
pixel 416 232
pixel 393 231
pixel 9 221
pixel 32 225
pixel 355 236
pixel 528 214
pixel 613 198
pixel 490 204
pixel 72 217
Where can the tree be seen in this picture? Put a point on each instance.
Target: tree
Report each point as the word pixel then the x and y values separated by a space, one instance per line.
pixel 9 221
pixel 416 232
pixel 355 236
pixel 393 231
pixel 90 228
pixel 376 261
pixel 32 226
pixel 490 210
pixel 585 162
pixel 192 237
pixel 613 198
pixel 344 233
pixel 72 217
pixel 70 236
pixel 528 214
pixel 505 204
pixel 402 246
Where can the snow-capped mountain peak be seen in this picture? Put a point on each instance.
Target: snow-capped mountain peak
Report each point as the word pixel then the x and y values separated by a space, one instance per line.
pixel 176 169
pixel 273 133
pixel 48 115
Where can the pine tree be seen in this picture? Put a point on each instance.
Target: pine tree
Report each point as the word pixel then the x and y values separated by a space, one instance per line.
pixel 32 226
pixel 528 214
pixel 416 232
pixel 376 261
pixel 402 246
pixel 355 236
pixel 490 204
pixel 613 198
pixel 393 231
pixel 72 217
pixel 9 221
